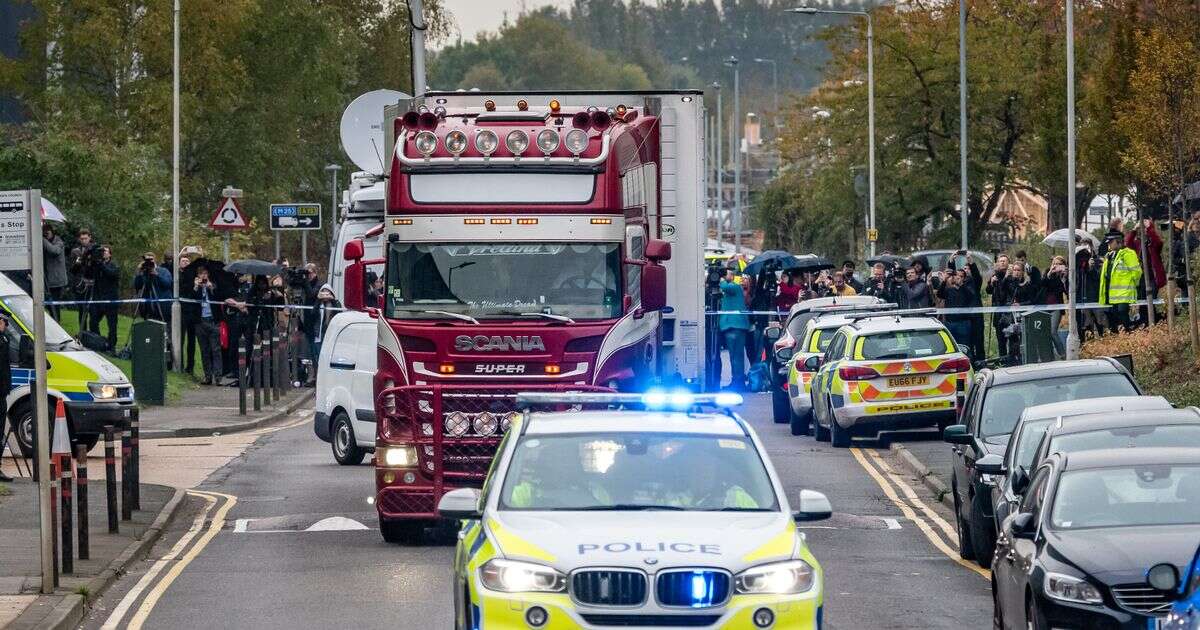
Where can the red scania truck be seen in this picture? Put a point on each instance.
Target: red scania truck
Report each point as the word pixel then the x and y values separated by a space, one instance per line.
pixel 533 241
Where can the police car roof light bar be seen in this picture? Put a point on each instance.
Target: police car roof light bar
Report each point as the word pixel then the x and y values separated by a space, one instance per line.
pixel 839 308
pixel 912 312
pixel 679 400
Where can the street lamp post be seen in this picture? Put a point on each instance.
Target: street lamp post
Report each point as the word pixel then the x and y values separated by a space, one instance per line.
pixel 736 149
pixel 720 166
pixel 333 169
pixel 774 88
pixel 962 117
pixel 1072 323
pixel 870 105
pixel 176 310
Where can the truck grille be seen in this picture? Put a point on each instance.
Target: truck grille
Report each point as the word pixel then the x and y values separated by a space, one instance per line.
pixel 609 587
pixel 642 621
pixel 1142 598
pixel 698 588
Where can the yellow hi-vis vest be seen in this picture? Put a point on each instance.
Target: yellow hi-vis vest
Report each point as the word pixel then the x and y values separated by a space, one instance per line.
pixel 1119 277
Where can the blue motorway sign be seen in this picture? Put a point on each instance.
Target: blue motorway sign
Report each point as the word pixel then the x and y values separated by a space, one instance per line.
pixel 295 216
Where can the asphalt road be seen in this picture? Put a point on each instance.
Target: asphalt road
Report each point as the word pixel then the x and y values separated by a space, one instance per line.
pixel 261 569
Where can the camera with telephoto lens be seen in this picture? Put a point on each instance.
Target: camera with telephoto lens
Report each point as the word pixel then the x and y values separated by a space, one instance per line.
pixel 713 275
pixel 147 266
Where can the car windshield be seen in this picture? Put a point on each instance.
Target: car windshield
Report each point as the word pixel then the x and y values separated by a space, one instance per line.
pixel 1003 404
pixel 905 344
pixel 21 306
pixel 1184 435
pixel 1126 496
pixel 637 471
pixel 481 280
pixel 1027 444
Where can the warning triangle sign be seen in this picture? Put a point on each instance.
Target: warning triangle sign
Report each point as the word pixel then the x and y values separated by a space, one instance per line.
pixel 229 216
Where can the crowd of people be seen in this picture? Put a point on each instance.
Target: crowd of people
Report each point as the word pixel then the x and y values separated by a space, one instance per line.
pixel 218 309
pixel 1111 276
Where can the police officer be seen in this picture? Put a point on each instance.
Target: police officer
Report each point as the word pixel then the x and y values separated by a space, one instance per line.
pixel 5 386
pixel 1119 278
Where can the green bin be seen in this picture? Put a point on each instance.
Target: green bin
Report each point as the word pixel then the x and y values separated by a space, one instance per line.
pixel 148 345
pixel 1037 345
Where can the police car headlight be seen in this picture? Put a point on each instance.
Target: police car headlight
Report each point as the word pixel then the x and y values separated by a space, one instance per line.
pixel 1071 589
pixel 781 578
pixel 102 391
pixel 398 456
pixel 511 576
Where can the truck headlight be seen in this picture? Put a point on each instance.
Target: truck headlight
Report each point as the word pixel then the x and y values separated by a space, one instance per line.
pixel 511 576
pixel 102 391
pixel 399 456
pixel 1071 589
pixel 780 578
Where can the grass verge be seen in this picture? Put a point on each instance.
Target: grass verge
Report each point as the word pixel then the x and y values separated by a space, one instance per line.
pixel 1164 363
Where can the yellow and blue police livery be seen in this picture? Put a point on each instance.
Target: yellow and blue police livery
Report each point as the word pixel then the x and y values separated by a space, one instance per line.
pixel 643 518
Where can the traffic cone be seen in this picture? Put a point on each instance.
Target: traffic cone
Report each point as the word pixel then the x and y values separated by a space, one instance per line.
pixel 61 453
pixel 60 447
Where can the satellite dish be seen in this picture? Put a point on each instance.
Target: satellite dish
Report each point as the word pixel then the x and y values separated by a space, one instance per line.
pixel 362 129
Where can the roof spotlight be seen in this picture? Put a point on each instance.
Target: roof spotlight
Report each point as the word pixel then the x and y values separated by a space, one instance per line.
pixel 425 142
pixel 456 142
pixel 576 141
pixel 517 141
pixel 548 141
pixel 486 142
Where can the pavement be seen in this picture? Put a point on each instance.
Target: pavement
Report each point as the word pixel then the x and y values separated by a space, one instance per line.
pixel 283 537
pixel 182 445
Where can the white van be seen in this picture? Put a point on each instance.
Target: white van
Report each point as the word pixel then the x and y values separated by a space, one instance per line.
pixel 362 211
pixel 345 404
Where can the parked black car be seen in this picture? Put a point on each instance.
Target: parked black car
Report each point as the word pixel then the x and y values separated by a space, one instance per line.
pixel 1076 552
pixel 1012 476
pixel 993 405
pixel 1141 428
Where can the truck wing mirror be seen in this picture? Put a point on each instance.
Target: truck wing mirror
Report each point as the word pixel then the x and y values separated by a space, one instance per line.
pixel 658 250
pixel 654 287
pixel 354 250
pixel 354 284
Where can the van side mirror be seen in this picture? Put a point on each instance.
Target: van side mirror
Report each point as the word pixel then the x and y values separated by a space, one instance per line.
pixel 654 287
pixel 460 504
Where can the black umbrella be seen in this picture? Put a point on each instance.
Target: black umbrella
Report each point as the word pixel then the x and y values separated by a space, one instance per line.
pixel 784 260
pixel 253 268
pixel 890 261
pixel 225 281
pixel 811 263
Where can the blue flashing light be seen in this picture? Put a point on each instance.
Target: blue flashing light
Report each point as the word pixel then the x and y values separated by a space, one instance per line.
pixel 655 399
pixel 728 399
pixel 682 399
pixel 702 589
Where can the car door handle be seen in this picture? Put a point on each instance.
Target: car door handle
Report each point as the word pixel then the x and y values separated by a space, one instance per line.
pixel 342 365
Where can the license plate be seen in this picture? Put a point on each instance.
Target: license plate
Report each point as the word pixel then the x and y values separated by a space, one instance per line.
pixel 907 381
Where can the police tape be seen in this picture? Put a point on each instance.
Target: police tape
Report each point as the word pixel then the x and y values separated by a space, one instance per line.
pixel 975 310
pixel 183 300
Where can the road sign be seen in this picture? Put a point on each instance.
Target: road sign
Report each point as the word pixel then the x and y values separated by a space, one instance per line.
pixel 14 230
pixel 872 235
pixel 229 216
pixel 295 216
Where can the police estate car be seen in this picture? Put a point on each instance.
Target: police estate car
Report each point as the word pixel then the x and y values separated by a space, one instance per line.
pixel 889 371
pixel 633 518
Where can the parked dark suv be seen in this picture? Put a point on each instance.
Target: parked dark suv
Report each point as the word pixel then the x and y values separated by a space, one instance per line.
pixel 993 405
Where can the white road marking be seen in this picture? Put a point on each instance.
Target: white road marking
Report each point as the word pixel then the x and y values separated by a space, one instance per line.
pixel 892 523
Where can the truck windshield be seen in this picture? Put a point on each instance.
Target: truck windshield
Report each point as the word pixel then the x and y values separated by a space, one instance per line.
pixel 503 280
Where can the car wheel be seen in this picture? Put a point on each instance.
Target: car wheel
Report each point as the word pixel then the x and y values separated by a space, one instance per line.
pixel 819 431
pixel 779 404
pixel 838 435
pixel 983 539
pixel 406 532
pixel 997 611
pixel 344 444
pixel 966 549
pixel 1034 619
pixel 800 422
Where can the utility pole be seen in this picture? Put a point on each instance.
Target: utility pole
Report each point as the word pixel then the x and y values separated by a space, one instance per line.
pixel 962 118
pixel 419 25
pixel 333 169
pixel 41 424
pixel 176 310
pixel 1072 323
pixel 736 149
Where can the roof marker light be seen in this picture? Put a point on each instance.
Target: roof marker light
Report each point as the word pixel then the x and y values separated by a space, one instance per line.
pixel 555 105
pixel 489 105
pixel 522 105
pixel 621 109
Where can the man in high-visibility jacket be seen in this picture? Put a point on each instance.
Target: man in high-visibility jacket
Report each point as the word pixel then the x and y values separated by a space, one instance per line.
pixel 1119 278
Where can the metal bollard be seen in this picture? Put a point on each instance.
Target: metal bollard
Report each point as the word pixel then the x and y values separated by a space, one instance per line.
pixel 126 477
pixel 256 369
pixel 54 514
pixel 282 375
pixel 81 500
pixel 241 367
pixel 268 368
pixel 135 476
pixel 110 474
pixel 68 537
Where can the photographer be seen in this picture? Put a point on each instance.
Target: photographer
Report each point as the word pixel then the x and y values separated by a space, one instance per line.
pixel 82 270
pixel 105 291
pixel 240 317
pixel 879 284
pixel 152 283
pixel 207 325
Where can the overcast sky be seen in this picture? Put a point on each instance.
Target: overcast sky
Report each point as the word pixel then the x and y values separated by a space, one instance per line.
pixel 473 16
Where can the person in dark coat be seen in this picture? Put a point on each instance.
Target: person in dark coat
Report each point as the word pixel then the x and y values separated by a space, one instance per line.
pixel 316 319
pixel 207 323
pixel 1152 263
pixel 914 291
pixel 106 289
pixel 54 265
pixel 5 385
pixel 997 288
pixel 1087 291
pixel 1022 290
pixel 957 291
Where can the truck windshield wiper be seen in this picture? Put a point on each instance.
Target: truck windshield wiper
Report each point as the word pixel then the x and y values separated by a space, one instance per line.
pixel 557 318
pixel 621 507
pixel 465 318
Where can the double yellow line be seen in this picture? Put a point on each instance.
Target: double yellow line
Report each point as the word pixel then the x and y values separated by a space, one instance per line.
pixel 913 508
pixel 180 556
